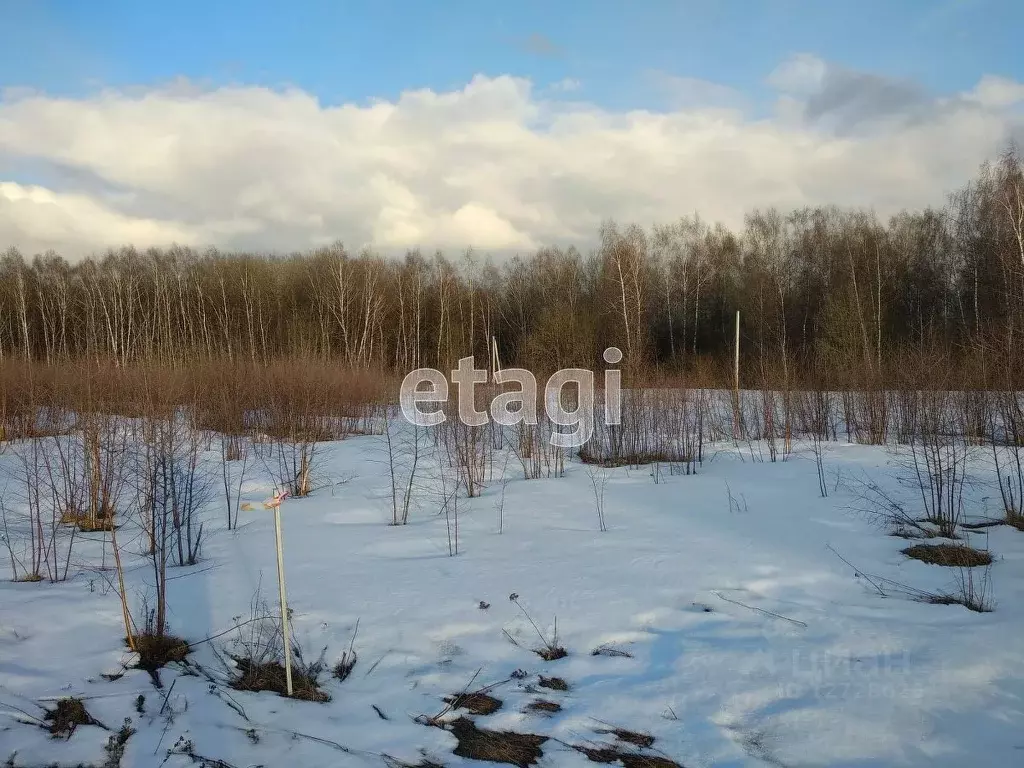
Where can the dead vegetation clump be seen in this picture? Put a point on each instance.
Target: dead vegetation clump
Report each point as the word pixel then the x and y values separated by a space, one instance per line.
pixel 610 754
pixel 66 716
pixel 258 652
pixel 87 523
pixel 521 749
pixel 553 683
pixel 343 667
pixel 478 703
pixel 951 555
pixel 550 649
pixel 642 740
pixel 271 676
pixel 544 706
pixel 616 753
pixel 551 653
pixel 158 650
pixel 1015 520
pixel 116 744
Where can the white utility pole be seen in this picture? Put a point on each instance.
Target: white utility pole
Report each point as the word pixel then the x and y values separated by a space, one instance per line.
pixel 736 375
pixel 284 598
pixel 736 383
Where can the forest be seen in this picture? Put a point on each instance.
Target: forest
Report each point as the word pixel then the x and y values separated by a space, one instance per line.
pixel 821 292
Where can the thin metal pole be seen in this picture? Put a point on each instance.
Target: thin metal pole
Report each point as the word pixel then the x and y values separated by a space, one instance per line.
pixel 284 600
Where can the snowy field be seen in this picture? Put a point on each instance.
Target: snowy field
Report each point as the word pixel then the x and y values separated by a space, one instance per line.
pixel 737 622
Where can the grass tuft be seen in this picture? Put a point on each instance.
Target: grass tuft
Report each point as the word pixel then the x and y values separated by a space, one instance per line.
pixel 272 676
pixel 951 555
pixel 156 651
pixel 477 703
pixel 65 718
pixel 544 706
pixel 553 683
pixel 521 749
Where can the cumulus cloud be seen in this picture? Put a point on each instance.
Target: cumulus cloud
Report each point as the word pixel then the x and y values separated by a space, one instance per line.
pixel 496 165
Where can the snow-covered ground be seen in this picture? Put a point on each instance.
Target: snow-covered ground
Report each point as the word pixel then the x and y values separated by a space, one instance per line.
pixel 827 673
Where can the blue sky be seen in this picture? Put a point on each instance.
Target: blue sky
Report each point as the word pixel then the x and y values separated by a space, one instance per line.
pixel 353 51
pixel 641 111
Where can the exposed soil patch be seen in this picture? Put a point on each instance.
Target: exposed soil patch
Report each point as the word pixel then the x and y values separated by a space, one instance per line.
pixel 544 706
pixel 64 718
pixel 954 555
pixel 521 749
pixel 553 683
pixel 477 703
pixel 271 676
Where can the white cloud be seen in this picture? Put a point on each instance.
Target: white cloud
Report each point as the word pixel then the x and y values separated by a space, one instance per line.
pixel 997 92
pixel 799 74
pixel 494 165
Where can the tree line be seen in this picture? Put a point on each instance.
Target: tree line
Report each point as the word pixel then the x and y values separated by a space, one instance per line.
pixel 819 290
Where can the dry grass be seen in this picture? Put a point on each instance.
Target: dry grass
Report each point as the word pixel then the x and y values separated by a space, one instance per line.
pixel 521 749
pixel 951 555
pixel 64 718
pixel 87 523
pixel 156 651
pixel 551 652
pixel 476 703
pixel 1015 520
pixel 271 676
pixel 642 740
pixel 544 706
pixel 609 754
pixel 553 683
pixel 344 666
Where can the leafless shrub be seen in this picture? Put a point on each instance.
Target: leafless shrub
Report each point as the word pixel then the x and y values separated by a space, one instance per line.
pixel 1006 427
pixel 879 504
pixel 257 652
pixel 343 666
pixel 404 447
pixel 468 449
pixel 234 461
pixel 550 649
pixel 939 457
pixel 599 477
pixel 38 540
